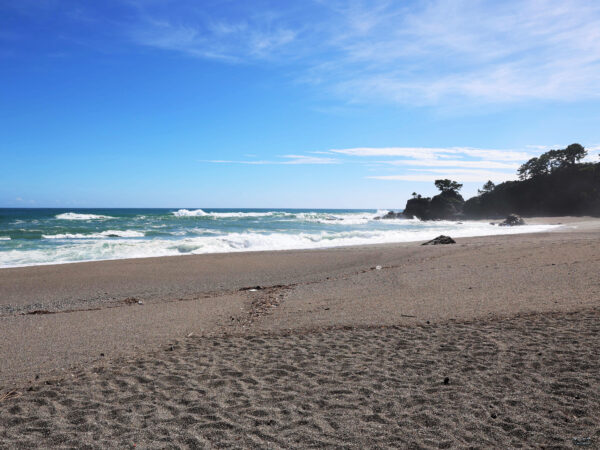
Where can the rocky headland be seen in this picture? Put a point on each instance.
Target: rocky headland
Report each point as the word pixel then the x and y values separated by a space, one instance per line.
pixel 554 184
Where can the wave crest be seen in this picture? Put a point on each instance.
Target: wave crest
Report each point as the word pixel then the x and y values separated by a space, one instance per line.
pixel 188 213
pixel 101 235
pixel 95 246
pixel 79 216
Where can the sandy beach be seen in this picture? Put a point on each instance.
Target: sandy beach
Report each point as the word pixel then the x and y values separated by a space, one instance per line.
pixel 491 342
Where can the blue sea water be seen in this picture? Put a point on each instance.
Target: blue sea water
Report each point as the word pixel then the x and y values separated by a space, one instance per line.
pixel 52 236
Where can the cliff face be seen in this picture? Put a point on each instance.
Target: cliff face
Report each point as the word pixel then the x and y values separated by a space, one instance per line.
pixel 571 190
pixel 417 207
pixel 447 205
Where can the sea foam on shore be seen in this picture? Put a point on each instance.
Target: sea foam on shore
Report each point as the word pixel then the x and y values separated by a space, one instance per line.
pixel 33 237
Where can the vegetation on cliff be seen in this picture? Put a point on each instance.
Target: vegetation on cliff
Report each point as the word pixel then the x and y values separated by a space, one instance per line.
pixel 448 204
pixel 554 184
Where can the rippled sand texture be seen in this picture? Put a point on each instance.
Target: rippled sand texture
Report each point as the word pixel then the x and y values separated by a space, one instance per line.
pixel 528 381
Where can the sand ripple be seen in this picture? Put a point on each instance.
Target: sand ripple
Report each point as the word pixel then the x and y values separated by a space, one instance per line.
pixel 527 381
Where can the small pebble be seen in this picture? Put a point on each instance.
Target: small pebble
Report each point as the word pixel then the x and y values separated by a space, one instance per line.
pixel 446 380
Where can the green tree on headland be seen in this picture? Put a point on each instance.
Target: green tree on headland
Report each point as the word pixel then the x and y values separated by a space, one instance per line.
pixel 552 160
pixel 446 185
pixel 574 153
pixel 553 184
pixel 487 187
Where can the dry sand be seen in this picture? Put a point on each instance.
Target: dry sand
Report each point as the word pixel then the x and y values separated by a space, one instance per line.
pixel 329 352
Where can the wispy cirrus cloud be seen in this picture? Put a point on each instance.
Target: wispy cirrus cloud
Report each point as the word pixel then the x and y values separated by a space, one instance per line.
pixel 465 164
pixel 235 34
pixel 426 164
pixel 435 152
pixel 442 53
pixel 484 51
pixel 484 164
pixel 418 163
pixel 426 53
pixel 465 176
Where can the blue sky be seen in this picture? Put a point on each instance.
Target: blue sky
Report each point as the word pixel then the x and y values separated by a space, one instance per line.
pixel 286 104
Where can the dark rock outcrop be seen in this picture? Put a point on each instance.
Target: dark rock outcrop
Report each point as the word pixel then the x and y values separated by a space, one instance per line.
pixel 417 207
pixel 444 206
pixel 512 220
pixel 447 205
pixel 391 215
pixel 440 240
pixel 573 190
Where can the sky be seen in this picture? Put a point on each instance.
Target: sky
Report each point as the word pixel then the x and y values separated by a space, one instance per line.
pixel 297 104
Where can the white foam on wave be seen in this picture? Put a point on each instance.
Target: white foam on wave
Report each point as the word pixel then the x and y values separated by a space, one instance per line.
pixel 101 235
pixel 233 215
pixel 315 217
pixel 4 238
pixel 105 249
pixel 226 215
pixel 188 213
pixel 79 216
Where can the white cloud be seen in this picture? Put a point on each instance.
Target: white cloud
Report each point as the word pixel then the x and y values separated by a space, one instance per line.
pixel 467 162
pixel 452 163
pixel 446 53
pixel 435 153
pixel 458 175
pixel 464 164
pixel 198 36
pixel 484 51
pixel 430 52
pixel 303 159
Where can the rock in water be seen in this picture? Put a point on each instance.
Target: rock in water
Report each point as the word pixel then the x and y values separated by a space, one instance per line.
pixel 391 215
pixel 440 240
pixel 512 220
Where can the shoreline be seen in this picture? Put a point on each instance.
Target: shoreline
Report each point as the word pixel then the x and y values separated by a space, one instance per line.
pixel 201 293
pixel 91 348
pixel 585 222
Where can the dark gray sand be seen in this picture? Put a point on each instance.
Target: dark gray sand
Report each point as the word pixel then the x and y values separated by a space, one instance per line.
pixel 527 381
pixel 492 342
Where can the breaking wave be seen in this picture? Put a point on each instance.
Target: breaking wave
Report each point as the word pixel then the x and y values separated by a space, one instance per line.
pixel 315 217
pixel 79 216
pixel 101 235
pixel 100 246
pixel 188 213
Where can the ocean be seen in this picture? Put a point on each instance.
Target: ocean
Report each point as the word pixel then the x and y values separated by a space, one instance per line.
pixel 52 236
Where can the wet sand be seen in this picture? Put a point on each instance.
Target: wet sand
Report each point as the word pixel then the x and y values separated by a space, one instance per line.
pixel 328 351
